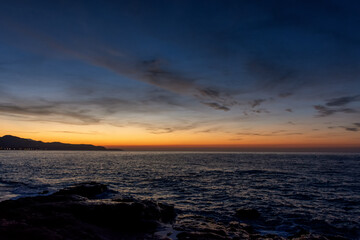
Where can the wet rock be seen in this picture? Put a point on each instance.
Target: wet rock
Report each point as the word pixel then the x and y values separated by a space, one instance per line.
pixel 247 213
pixel 76 213
pixel 198 228
pixel 89 190
pixel 200 236
pixel 310 236
pixel 168 213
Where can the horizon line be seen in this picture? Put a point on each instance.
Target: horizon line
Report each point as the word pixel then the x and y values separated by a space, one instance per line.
pixel 219 148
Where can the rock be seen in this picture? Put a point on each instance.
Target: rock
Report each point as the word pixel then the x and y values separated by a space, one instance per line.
pixel 80 212
pixel 168 213
pixel 197 227
pixel 200 236
pixel 247 213
pixel 76 213
pixel 88 189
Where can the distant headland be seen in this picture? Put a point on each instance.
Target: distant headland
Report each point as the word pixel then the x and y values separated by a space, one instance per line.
pixel 9 142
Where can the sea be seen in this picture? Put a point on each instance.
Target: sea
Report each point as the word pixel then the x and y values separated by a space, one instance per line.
pixel 314 192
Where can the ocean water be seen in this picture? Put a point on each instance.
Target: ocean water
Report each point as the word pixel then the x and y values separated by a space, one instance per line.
pixel 316 192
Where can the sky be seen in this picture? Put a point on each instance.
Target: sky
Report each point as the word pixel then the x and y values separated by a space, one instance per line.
pixel 182 74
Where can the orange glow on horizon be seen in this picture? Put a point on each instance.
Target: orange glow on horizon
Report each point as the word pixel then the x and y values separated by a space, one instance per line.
pixel 136 138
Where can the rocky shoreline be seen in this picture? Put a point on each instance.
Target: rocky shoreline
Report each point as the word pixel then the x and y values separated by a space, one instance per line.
pixel 82 212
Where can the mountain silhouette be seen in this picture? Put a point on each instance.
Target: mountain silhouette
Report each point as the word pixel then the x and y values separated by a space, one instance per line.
pixel 16 143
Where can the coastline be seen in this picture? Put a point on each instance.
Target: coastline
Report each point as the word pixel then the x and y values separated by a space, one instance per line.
pixel 91 210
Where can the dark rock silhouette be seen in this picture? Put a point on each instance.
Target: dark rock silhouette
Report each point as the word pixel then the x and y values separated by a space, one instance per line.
pixel 83 211
pixel 77 213
pixel 88 190
pixel 16 143
pixel 247 213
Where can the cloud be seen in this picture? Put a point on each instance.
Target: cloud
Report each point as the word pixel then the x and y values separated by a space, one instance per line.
pixel 285 94
pixel 45 112
pixel 256 102
pixel 209 92
pixel 97 108
pixel 75 132
pixel 325 111
pixel 276 59
pixel 262 110
pixel 216 106
pixel 289 110
pixel 165 127
pixel 342 101
pixel 158 96
pixel 209 130
pixel 270 134
pixel 154 71
pixel 347 128
pixel 271 75
pixel 352 129
pixel 235 139
pixel 158 73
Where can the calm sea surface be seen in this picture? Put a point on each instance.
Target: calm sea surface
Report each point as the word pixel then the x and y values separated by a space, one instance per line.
pixel 316 192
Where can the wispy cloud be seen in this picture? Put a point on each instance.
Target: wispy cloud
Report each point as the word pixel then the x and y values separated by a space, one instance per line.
pixel 209 130
pixel 347 128
pixel 76 132
pixel 324 111
pixel 216 106
pixel 342 101
pixel 157 72
pixel 352 129
pixel 270 134
pixel 285 94
pixel 257 102
pixel 46 112
pixel 156 128
pixel 272 76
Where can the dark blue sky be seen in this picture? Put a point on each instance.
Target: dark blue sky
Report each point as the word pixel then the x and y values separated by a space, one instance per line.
pixel 235 69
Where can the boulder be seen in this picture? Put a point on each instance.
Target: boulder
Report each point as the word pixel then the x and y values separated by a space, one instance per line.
pixel 247 213
pixel 76 213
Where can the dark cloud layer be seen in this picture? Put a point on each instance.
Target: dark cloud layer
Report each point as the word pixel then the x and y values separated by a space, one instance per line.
pixel 324 111
pixel 256 102
pixel 46 112
pixel 342 101
pixel 216 106
pixel 347 128
pixel 352 129
pixel 270 134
